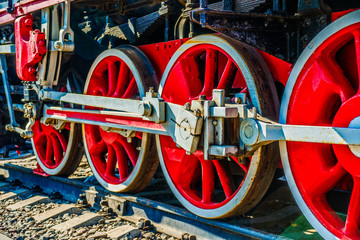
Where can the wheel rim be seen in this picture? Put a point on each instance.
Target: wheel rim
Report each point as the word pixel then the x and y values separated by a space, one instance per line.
pixel 115 161
pixel 326 77
pixel 56 150
pixel 212 188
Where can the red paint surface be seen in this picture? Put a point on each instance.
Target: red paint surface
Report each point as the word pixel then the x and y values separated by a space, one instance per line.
pixel 337 15
pixel 279 69
pixel 30 48
pixel 327 94
pixel 207 184
pixel 159 54
pixel 127 121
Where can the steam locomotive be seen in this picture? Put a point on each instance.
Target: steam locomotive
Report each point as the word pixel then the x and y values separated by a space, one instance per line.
pixel 216 92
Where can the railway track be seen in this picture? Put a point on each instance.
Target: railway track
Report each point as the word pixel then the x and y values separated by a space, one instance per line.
pixel 34 206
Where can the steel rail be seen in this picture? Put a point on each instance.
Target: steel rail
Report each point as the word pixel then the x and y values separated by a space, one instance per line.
pixel 169 219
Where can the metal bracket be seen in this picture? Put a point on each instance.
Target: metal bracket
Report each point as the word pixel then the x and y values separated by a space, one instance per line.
pixel 129 134
pixel 30 113
pixel 66 34
pixel 152 108
pixel 215 113
pixel 28 109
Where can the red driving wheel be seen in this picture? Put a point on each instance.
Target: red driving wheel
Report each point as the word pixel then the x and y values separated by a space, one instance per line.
pixel 57 151
pixel 222 187
pixel 119 163
pixel 323 90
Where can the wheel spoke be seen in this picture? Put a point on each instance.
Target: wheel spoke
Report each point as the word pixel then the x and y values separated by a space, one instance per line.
pixel 62 139
pixel 208 181
pixel 39 139
pixel 326 180
pixel 225 176
pixel 113 76
pixel 122 160
pixel 58 153
pixel 100 88
pixel 98 149
pixel 130 150
pixel 190 77
pixel 228 75
pixel 49 151
pixel 323 84
pixel 332 74
pixel 243 166
pixel 357 49
pixel 139 135
pixel 37 128
pixel 210 72
pixel 111 162
pixel 187 171
pixel 353 217
pixel 131 89
pixel 122 81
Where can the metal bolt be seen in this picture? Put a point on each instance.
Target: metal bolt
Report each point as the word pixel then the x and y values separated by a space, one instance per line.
pixel 187 106
pixel 322 20
pixel 238 100
pixel 248 131
pixel 202 97
pixel 28 22
pixel 144 109
pixel 9 127
pixel 305 38
pixel 58 45
pixel 104 203
pixel 215 122
pixel 197 113
pixel 129 140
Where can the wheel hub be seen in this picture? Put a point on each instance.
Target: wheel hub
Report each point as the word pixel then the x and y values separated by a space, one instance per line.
pixel 355 123
pixel 348 116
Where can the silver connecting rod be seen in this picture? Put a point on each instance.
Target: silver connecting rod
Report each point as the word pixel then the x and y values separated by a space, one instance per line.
pixel 256 131
pixel 119 104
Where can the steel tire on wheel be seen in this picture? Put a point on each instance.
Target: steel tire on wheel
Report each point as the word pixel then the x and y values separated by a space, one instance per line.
pixel 230 188
pixel 323 89
pixel 58 152
pixel 120 166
